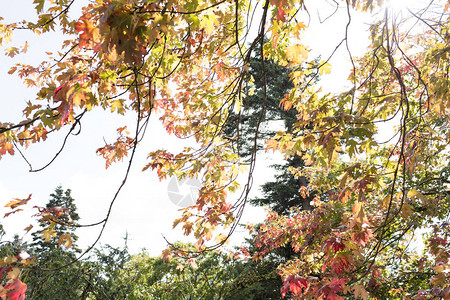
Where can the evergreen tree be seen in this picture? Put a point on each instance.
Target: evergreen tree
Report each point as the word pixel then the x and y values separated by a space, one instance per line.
pixel 260 280
pixel 63 210
pixel 61 282
pixel 243 125
pixel 283 193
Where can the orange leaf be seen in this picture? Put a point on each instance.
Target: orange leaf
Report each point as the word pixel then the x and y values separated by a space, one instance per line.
pixel 18 202
pixel 6 147
pixel 68 240
pixel 87 31
pixel 28 228
pixel 272 144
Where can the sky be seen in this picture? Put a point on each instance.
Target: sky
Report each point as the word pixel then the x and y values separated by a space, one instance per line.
pixel 143 209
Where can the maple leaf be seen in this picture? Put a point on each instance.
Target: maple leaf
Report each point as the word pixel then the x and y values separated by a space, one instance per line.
pixel 272 144
pixel 18 202
pixel 16 290
pixel 360 291
pixel 25 47
pixel 28 228
pixel 359 217
pixel 363 236
pixel 295 284
pixel 279 7
pixel 406 211
pixel 13 273
pixel 332 287
pixel 335 243
pixel 118 105
pixel 192 263
pixel 12 212
pixel 87 31
pixel 297 53
pixel 11 51
pixel 210 23
pixel 48 234
pixel 6 148
pixel 68 240
pixel 60 92
pixel 65 110
pixel 281 14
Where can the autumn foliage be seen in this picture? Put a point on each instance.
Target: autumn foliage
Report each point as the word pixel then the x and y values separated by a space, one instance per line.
pixel 186 63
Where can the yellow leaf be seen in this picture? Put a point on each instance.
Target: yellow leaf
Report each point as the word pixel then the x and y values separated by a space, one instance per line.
pixel 357 207
pixel 12 70
pixel 297 29
pixel 48 233
pixel 297 54
pixel 11 51
pixel 25 47
pixel 343 180
pixel 386 201
pixel 414 193
pixel 325 69
pixel 18 202
pixel 209 22
pixel 118 105
pixel 220 238
pixel 13 274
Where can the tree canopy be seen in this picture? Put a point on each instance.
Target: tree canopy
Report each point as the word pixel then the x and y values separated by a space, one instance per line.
pixel 188 63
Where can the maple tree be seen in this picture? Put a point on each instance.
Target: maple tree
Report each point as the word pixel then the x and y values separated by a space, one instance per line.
pixel 188 61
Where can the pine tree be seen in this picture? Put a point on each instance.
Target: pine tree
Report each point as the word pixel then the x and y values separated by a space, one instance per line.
pixel 61 282
pixel 243 125
pixel 283 193
pixel 260 280
pixel 63 209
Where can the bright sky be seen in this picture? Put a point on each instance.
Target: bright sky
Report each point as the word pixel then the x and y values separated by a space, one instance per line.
pixel 143 208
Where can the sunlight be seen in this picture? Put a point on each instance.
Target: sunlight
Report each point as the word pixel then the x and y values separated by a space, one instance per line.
pixel 401 6
pixel 398 5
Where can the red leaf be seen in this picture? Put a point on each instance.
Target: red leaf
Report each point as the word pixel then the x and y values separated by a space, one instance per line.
pixel 16 290
pixel 58 89
pixel 281 13
pixel 295 284
pixel 334 243
pixel 362 237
